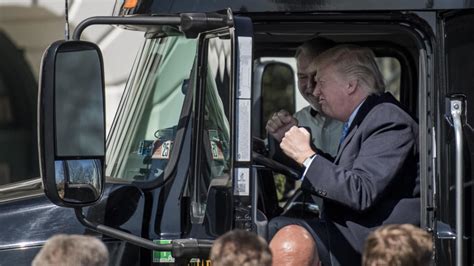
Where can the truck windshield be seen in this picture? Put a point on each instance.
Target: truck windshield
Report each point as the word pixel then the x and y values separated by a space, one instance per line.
pixel 141 139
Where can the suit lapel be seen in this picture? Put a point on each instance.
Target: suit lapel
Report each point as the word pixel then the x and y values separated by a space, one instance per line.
pixel 369 103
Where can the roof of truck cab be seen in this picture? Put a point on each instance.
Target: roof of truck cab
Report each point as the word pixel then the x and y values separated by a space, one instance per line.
pixel 146 7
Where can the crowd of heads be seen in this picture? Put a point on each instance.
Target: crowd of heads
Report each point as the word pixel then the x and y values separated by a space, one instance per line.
pixel 390 245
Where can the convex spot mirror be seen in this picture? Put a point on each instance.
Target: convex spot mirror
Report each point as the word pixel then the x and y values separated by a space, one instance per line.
pixel 71 128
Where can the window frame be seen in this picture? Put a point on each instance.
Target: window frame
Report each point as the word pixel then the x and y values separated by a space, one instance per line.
pixel 199 104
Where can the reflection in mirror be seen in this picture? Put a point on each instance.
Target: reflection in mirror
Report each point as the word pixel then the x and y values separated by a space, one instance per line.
pixel 78 181
pixel 79 101
pixel 278 91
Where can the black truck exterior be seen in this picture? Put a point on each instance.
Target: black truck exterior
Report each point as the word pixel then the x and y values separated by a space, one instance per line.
pixel 182 160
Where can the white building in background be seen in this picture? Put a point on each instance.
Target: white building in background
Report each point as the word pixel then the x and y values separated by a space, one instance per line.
pixel 33 24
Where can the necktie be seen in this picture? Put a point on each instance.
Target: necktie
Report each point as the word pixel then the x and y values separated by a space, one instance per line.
pixel 345 130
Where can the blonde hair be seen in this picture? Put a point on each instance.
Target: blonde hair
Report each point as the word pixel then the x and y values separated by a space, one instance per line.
pixel 240 248
pixel 72 250
pixel 398 245
pixel 355 62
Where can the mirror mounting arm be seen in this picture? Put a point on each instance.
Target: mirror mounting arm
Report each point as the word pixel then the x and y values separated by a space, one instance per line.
pixel 190 23
pixel 180 248
pixel 110 231
pixel 109 20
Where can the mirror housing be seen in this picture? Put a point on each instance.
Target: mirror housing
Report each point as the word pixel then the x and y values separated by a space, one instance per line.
pixel 71 123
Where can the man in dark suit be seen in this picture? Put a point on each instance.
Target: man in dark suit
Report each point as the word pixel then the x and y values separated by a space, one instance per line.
pixel 373 180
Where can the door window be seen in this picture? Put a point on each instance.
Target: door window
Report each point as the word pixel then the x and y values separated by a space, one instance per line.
pixel 391 71
pixel 213 158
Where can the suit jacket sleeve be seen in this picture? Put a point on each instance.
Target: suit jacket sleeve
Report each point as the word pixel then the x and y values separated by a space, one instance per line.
pixel 370 161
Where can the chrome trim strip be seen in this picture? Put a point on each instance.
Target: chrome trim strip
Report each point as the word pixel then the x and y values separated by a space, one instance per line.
pixel 23 245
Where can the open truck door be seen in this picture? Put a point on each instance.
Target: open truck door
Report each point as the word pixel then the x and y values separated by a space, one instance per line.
pixel 454 192
pixel 191 178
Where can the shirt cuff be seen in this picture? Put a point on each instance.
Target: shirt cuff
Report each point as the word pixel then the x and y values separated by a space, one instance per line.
pixel 307 163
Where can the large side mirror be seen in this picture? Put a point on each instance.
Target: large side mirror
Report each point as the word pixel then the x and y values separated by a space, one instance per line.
pixel 71 128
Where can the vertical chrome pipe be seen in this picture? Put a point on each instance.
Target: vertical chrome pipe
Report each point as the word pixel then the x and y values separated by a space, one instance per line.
pixel 456 113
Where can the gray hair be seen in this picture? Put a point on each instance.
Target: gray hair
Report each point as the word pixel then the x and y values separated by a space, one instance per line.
pixel 73 250
pixel 314 47
pixel 356 62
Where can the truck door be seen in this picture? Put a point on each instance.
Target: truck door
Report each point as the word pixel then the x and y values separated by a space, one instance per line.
pixel 221 188
pixel 456 152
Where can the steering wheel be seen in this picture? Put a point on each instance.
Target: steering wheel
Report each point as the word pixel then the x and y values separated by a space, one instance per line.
pixel 275 166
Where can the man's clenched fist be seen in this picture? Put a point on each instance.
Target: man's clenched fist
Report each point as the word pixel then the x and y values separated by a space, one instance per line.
pixel 296 144
pixel 280 123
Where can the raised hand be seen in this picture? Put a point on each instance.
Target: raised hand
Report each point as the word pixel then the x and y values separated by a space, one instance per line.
pixel 280 123
pixel 296 144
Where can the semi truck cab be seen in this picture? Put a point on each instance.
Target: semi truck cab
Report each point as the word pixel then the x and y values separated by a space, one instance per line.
pixel 184 162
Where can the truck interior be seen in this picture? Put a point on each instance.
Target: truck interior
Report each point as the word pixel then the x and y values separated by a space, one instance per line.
pixel 395 45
